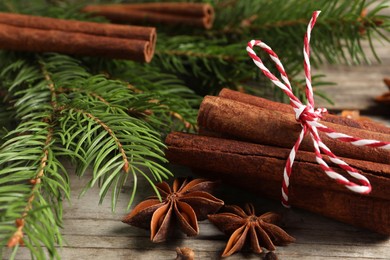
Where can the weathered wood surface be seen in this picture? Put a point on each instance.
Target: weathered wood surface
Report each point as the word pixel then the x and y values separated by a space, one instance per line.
pixel 92 231
pixel 357 86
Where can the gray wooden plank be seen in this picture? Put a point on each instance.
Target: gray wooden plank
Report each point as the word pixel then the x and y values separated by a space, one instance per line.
pixel 356 86
pixel 95 232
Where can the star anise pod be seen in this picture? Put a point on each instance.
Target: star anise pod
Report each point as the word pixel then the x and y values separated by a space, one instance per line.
pixel 186 203
pixel 385 97
pixel 244 225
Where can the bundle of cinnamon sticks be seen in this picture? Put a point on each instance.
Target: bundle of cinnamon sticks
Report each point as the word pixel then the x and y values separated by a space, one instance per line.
pixel 171 13
pixel 42 34
pixel 245 140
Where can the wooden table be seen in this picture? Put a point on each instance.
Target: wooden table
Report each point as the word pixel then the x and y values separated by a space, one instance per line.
pixel 92 231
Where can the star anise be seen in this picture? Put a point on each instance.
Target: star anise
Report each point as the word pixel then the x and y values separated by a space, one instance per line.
pixel 186 203
pixel 244 225
pixel 385 97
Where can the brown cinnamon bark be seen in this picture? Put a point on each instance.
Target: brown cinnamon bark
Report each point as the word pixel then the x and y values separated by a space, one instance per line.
pixel 190 14
pixel 99 29
pixel 37 40
pixel 271 105
pixel 190 9
pixel 264 126
pixel 259 169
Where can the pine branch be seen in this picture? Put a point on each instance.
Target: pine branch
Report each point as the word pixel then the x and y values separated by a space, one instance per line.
pixel 66 111
pixel 32 179
pixel 100 112
pixel 61 109
pixel 169 100
pixel 208 61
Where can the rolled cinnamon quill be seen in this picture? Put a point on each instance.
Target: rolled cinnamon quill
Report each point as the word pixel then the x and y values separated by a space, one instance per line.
pixel 36 40
pixel 99 29
pixel 259 168
pixel 285 108
pixel 76 37
pixel 271 127
pixel 191 14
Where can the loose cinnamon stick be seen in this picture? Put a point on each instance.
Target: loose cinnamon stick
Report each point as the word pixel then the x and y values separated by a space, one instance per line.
pixel 98 29
pixel 192 14
pixel 259 169
pixel 271 105
pixel 247 122
pixel 37 40
pixel 177 8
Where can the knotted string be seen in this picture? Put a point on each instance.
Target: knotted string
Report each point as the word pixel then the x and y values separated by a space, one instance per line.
pixel 309 120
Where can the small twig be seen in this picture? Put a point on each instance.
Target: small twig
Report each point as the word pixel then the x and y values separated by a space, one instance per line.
pixel 196 54
pixel 93 94
pixel 50 84
pixel 89 115
pixel 176 115
pixel 133 88
pixel 17 237
pixel 111 133
pixel 255 28
pixel 186 124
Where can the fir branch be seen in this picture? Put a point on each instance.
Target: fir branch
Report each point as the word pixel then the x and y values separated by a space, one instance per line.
pixel 208 61
pixel 66 111
pixel 61 109
pixel 120 133
pixel 91 103
pixel 167 96
pixel 50 85
pixel 106 128
pixel 17 237
pixel 192 53
pixel 62 90
pixel 32 178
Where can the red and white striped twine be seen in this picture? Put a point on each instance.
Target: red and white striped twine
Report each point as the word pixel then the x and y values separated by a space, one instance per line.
pixel 308 118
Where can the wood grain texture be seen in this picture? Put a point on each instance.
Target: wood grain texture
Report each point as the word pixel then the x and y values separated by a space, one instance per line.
pixel 93 231
pixel 357 86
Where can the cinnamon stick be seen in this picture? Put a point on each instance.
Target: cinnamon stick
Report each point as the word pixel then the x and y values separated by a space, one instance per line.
pixel 190 14
pixel 285 108
pixel 259 168
pixel 98 29
pixel 37 40
pixel 177 8
pixel 44 34
pixel 265 126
